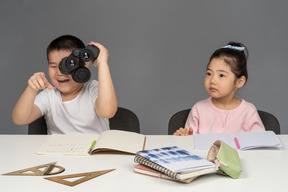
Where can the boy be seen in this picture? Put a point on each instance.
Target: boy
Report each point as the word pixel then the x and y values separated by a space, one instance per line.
pixel 69 107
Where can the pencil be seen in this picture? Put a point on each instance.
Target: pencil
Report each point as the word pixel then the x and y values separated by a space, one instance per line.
pixel 92 146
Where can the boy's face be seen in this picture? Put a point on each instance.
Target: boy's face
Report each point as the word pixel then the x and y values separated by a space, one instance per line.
pixel 63 82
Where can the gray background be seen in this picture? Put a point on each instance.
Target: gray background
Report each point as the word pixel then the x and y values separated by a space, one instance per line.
pixel 158 49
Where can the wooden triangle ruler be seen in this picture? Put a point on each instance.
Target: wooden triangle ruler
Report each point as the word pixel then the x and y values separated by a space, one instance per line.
pixel 40 170
pixel 84 177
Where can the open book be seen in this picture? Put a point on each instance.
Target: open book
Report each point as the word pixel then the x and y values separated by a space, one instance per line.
pixel 86 144
pixel 174 162
pixel 241 140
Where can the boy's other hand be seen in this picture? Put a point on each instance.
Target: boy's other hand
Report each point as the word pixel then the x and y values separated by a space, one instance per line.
pixel 103 54
pixel 38 81
pixel 183 132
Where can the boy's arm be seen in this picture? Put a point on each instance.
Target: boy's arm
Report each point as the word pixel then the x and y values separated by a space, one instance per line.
pixel 106 103
pixel 25 111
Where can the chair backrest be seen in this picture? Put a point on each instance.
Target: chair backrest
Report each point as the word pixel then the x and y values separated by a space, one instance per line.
pixel 179 119
pixel 270 121
pixel 38 127
pixel 124 119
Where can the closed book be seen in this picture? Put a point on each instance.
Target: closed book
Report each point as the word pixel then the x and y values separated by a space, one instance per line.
pixel 142 169
pixel 174 162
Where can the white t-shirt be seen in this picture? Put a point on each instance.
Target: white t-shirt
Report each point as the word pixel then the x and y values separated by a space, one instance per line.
pixel 74 116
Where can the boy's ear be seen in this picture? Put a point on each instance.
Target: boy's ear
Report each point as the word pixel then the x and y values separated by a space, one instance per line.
pixel 87 64
pixel 240 82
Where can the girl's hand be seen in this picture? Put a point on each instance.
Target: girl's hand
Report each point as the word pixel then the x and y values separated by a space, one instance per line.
pixel 103 54
pixel 38 81
pixel 183 132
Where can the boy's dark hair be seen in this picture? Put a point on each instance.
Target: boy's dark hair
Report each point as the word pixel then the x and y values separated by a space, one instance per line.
pixel 235 57
pixel 64 42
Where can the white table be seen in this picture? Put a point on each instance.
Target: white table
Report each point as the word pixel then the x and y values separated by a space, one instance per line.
pixel 263 169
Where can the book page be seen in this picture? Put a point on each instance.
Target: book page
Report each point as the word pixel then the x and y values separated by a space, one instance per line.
pixel 249 140
pixel 205 141
pixel 74 144
pixel 123 141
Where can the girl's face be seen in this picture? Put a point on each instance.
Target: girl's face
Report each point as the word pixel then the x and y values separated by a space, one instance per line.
pixel 220 82
pixel 63 82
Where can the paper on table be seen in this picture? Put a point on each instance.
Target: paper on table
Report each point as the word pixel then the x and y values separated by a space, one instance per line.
pixel 247 140
pixel 205 141
pixel 78 144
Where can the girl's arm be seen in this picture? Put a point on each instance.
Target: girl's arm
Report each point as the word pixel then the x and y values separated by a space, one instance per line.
pixel 255 122
pixel 183 131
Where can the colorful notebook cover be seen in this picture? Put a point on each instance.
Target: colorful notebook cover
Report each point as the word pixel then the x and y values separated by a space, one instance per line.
pixel 176 159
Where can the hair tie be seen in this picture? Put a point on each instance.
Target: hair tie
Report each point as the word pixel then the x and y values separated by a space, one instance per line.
pixel 234 47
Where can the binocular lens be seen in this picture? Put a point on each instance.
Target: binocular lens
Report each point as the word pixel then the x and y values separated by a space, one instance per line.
pixel 76 52
pixel 86 55
pixel 81 75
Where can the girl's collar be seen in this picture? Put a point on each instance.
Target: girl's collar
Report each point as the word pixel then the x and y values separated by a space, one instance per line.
pixel 227 110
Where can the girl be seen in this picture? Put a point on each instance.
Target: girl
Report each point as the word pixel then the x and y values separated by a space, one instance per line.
pixel 223 112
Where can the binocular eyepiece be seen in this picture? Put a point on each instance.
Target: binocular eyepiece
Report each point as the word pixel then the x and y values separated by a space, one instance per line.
pixel 75 63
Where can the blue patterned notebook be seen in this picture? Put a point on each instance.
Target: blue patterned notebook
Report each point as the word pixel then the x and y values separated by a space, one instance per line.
pixel 175 162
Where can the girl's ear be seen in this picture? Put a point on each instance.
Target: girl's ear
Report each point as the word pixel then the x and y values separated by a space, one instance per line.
pixel 240 82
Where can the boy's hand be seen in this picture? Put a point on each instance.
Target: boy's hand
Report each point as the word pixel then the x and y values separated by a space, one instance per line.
pixel 183 132
pixel 38 81
pixel 103 54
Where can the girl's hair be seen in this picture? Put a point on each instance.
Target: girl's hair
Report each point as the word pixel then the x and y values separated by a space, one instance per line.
pixel 64 42
pixel 235 55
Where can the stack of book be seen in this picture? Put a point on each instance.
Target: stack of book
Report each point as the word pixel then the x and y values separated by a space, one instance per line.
pixel 172 163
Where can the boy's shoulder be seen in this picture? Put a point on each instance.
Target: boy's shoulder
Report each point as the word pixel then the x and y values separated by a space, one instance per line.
pixel 47 91
pixel 92 82
pixel 91 85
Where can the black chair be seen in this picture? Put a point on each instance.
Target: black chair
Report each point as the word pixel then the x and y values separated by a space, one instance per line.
pixel 38 127
pixel 179 119
pixel 270 121
pixel 124 119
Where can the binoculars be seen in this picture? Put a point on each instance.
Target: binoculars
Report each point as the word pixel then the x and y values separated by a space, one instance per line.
pixel 75 63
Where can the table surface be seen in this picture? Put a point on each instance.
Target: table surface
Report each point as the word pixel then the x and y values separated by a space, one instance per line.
pixel 263 169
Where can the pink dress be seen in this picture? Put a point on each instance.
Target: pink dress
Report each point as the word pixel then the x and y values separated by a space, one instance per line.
pixel 204 117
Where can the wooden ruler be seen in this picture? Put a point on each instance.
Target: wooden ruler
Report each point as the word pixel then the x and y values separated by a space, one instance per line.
pixel 83 177
pixel 40 170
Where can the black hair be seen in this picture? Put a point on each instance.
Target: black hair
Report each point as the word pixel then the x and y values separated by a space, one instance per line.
pixel 235 57
pixel 64 42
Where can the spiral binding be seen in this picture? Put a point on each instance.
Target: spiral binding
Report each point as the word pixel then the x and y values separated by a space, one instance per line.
pixel 151 164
